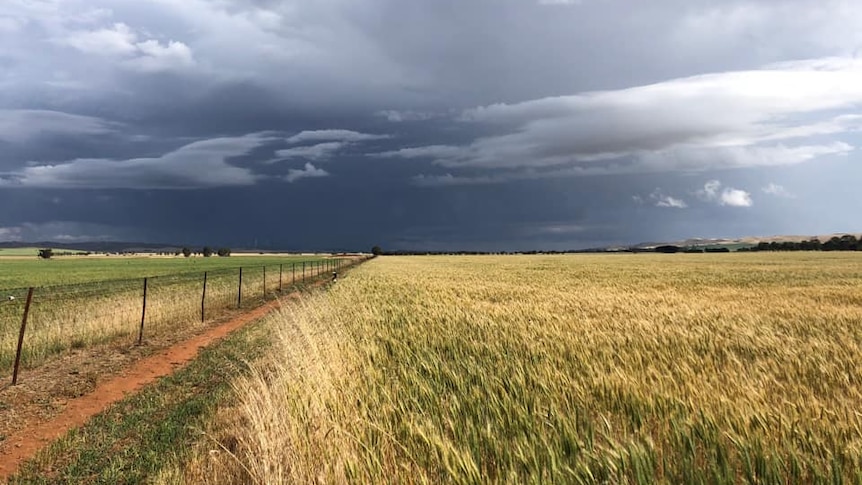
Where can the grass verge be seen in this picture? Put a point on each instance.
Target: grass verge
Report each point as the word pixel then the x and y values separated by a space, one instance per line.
pixel 135 438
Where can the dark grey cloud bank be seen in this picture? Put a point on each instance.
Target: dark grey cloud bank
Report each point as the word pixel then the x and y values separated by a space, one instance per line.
pixel 441 124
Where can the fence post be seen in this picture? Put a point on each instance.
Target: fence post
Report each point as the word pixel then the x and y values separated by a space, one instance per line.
pixel 264 282
pixel 204 298
pixel 239 292
pixel 293 273
pixel 303 271
pixel 21 336
pixel 143 315
pixel 280 271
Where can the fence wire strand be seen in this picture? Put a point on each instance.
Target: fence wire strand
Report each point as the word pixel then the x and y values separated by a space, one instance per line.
pixel 66 317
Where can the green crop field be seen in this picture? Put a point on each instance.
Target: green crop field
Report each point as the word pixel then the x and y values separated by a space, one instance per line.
pixel 18 272
pixel 733 368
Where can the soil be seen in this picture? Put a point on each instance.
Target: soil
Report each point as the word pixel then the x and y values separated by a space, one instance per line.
pixel 64 394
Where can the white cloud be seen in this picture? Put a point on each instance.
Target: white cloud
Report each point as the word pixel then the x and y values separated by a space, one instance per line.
pixel 334 141
pixel 396 116
pixel 777 191
pixel 440 153
pixel 334 135
pixel 118 39
pixel 309 171
pixel 320 151
pixel 736 198
pixel 156 57
pixel 23 125
pixel 121 41
pixel 712 191
pixel 201 164
pixel 662 200
pixel 723 120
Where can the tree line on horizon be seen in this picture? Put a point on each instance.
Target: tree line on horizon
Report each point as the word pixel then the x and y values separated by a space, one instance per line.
pixel 847 242
pixel 206 251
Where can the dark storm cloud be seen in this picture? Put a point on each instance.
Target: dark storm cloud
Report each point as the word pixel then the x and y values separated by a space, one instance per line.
pixel 426 123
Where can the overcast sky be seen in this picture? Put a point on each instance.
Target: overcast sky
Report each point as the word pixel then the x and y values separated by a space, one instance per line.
pixel 428 124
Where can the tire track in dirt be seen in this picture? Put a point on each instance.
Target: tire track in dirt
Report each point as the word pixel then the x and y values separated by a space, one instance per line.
pixel 25 443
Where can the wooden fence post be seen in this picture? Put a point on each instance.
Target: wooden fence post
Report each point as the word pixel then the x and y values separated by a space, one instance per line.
pixel 303 271
pixel 280 271
pixel 264 282
pixel 204 298
pixel 239 292
pixel 21 336
pixel 293 273
pixel 143 315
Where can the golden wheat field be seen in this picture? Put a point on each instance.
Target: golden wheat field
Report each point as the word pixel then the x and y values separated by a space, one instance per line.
pixel 740 368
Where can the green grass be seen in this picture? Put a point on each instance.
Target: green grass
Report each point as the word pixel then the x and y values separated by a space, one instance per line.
pixel 18 273
pixel 134 438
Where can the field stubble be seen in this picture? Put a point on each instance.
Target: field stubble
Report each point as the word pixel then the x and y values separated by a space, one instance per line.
pixel 623 368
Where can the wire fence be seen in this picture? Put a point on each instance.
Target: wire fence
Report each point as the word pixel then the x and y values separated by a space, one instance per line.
pixel 38 322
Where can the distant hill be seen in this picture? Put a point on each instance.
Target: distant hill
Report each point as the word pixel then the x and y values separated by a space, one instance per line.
pixel 743 242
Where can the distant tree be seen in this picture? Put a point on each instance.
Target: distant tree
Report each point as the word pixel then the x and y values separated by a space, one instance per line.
pixel 46 253
pixel 667 249
pixel 833 244
pixel 187 252
pixel 207 251
pixel 376 250
pixel 224 252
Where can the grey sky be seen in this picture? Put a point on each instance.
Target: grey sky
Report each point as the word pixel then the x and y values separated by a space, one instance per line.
pixel 438 124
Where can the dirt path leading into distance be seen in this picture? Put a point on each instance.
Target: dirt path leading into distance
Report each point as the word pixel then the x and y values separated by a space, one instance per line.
pixel 22 444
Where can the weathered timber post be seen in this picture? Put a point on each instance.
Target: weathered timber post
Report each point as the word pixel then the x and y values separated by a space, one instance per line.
pixel 204 299
pixel 143 315
pixel 21 336
pixel 239 292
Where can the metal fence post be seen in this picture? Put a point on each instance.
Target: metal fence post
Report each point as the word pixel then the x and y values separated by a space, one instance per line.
pixel 293 273
pixel 21 336
pixel 264 281
pixel 143 315
pixel 204 298
pixel 280 271
pixel 303 271
pixel 239 291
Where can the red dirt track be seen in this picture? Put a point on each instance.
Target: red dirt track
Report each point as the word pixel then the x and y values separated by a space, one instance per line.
pixel 24 443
